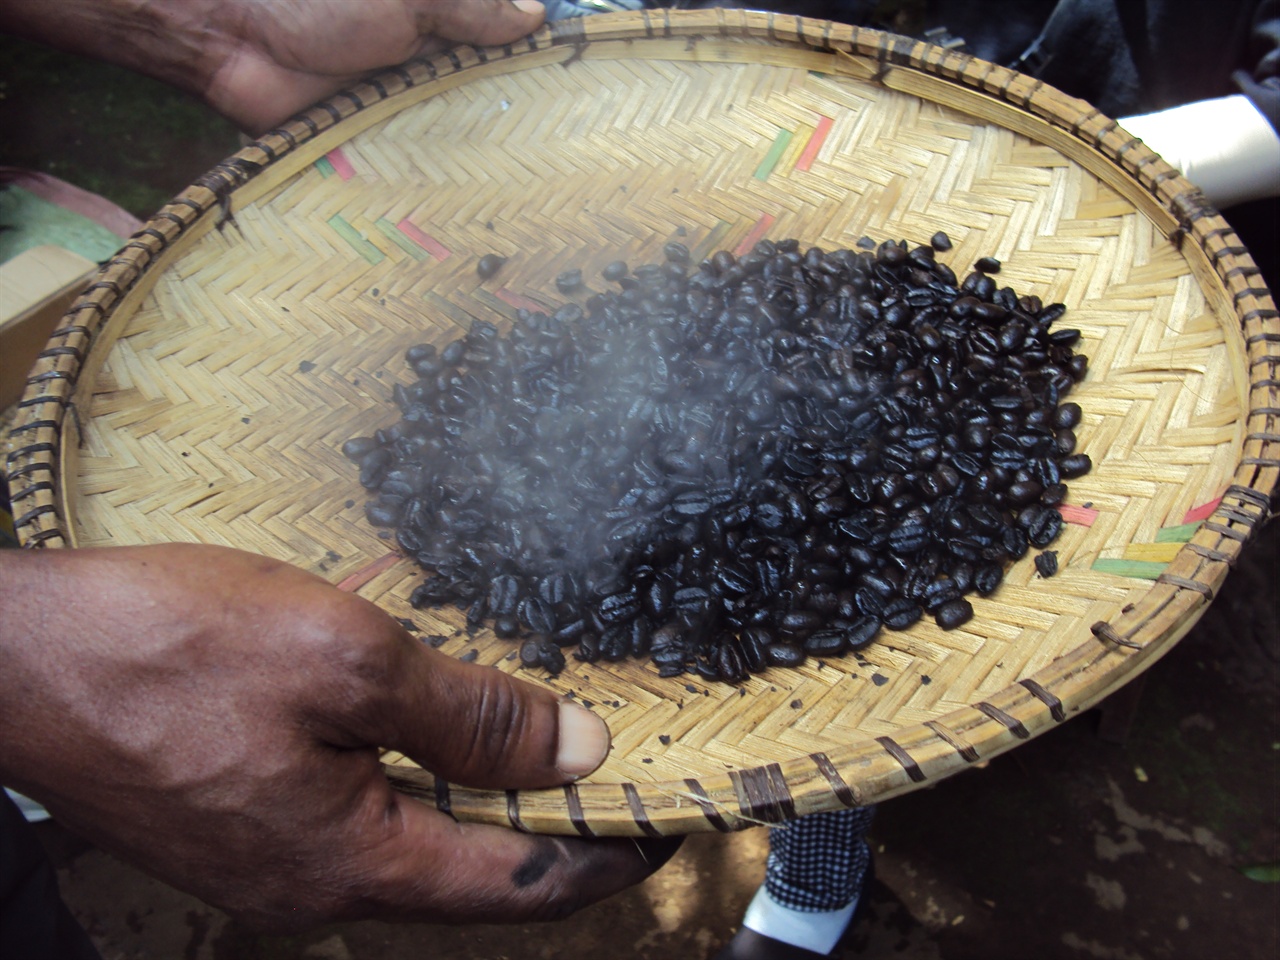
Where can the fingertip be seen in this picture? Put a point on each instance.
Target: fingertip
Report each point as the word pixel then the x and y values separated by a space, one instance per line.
pixel 583 743
pixel 531 7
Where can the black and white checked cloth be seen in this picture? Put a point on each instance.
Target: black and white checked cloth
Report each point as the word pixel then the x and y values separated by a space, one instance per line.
pixel 819 862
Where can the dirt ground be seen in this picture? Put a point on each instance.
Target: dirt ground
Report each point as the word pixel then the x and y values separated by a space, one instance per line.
pixel 1102 839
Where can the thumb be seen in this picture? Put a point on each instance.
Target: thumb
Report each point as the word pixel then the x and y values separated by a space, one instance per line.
pixel 480 727
pixel 482 22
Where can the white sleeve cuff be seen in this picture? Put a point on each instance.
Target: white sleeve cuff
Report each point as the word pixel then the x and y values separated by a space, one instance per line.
pixel 1226 147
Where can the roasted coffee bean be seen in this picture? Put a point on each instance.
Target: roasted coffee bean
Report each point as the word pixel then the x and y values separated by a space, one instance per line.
pixel 569 281
pixel 1067 416
pixel 902 613
pixel 795 444
pixel 987 577
pixel 940 242
pixel 951 615
pixel 550 658
pixel 1047 563
pixel 784 655
pixel 826 643
pixel 359 447
pixel 489 265
pixel 529 654
pixel 535 615
pixel 1075 465
pixel 862 632
pixel 1044 527
pixel 987 265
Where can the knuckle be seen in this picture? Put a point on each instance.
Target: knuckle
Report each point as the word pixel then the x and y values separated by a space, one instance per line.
pixel 502 723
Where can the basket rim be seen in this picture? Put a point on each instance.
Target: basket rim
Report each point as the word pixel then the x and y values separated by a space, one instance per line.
pixel 918 754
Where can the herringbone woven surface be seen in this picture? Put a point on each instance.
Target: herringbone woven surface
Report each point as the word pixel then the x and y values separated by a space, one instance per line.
pixel 225 391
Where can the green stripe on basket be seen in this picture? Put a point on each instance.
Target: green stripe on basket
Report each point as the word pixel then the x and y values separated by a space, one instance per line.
pixel 1140 569
pixel 1179 534
pixel 711 242
pixel 780 144
pixel 357 240
pixel 325 167
pixel 392 233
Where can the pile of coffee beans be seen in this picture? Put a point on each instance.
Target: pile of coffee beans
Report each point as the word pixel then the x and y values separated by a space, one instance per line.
pixel 734 465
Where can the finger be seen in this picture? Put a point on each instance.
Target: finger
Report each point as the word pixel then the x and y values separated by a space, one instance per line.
pixel 473 873
pixel 473 725
pixel 482 22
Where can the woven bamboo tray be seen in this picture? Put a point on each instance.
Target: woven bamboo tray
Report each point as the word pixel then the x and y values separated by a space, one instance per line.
pixel 201 388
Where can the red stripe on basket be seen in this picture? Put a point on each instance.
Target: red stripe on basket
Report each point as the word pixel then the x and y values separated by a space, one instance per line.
pixel 815 144
pixel 424 240
pixel 1202 512
pixel 341 165
pixel 519 302
pixel 362 576
pixel 756 235
pixel 1080 516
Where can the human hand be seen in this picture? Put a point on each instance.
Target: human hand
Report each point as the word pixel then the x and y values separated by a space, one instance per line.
pixel 281 56
pixel 212 716
pixel 260 61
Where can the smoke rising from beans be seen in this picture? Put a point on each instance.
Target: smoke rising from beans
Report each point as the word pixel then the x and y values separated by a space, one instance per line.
pixel 734 466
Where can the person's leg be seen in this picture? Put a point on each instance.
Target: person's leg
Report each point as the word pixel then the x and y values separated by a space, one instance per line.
pixel 34 922
pixel 817 869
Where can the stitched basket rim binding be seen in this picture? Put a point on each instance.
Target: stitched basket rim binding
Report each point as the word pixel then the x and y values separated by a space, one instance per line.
pixel 1110 651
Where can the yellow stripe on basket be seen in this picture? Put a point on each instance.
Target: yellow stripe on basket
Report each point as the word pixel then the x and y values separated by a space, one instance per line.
pixel 800 138
pixel 1156 552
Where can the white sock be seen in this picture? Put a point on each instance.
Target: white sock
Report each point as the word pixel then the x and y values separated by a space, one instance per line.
pixel 818 931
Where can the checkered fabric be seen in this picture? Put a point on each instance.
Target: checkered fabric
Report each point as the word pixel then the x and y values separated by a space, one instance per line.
pixel 819 862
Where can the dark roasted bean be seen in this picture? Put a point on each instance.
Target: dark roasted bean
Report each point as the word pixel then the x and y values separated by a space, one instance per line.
pixel 489 265
pixel 861 632
pixel 550 657
pixel 1076 465
pixel 569 281
pixel 798 441
pixel 902 613
pixel 1047 563
pixel 951 615
pixel 529 654
pixel 1067 416
pixel 987 265
pixel 986 578
pixel 784 655
pixel 826 643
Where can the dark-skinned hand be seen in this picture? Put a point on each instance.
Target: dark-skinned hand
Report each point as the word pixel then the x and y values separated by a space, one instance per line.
pixel 258 62
pixel 213 717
